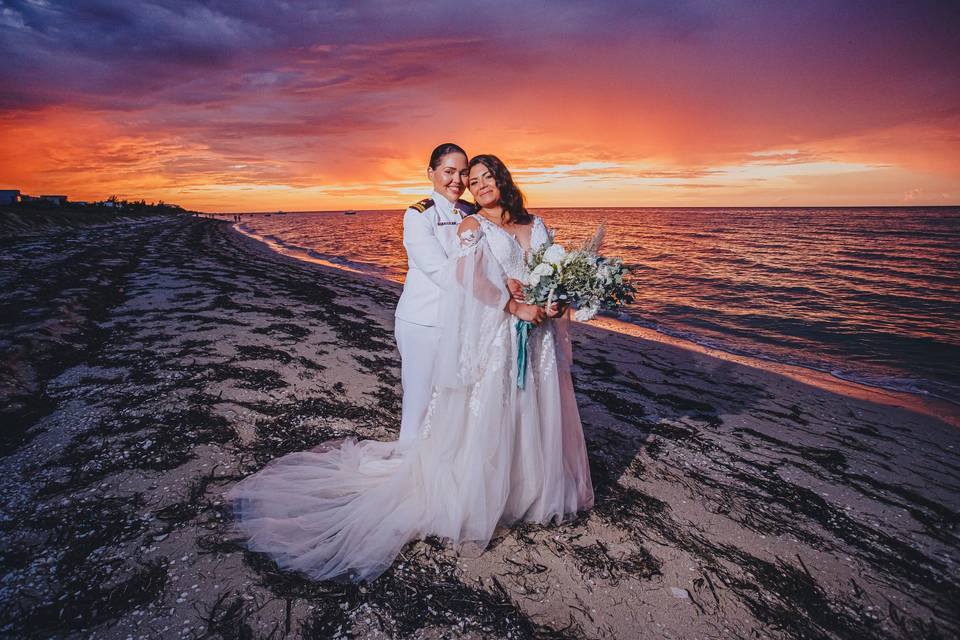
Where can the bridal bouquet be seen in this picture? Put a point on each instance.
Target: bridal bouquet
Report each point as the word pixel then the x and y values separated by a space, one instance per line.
pixel 582 279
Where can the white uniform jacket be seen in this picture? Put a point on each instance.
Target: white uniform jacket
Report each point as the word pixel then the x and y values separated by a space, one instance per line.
pixel 429 236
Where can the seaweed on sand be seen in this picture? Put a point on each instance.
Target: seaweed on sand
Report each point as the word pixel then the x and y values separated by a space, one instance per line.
pixel 384 368
pixel 632 413
pixel 243 377
pixel 71 293
pixel 227 617
pixel 939 520
pixel 421 591
pixel 778 593
pixel 390 401
pixel 20 412
pixel 788 596
pixel 831 459
pixel 163 441
pixel 738 477
pixel 628 381
pixel 756 495
pixel 81 587
pixel 313 365
pixel 304 424
pixel 255 352
pixel 223 302
pixel 283 329
pixel 94 599
pixel 193 503
pixel 595 561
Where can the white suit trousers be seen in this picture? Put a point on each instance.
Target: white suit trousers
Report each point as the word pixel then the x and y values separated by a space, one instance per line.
pixel 417 345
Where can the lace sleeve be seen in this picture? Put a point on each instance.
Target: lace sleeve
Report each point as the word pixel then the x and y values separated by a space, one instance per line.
pixel 472 309
pixel 469 239
pixel 539 234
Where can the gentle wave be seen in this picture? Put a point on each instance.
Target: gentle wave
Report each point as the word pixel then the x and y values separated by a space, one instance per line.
pixel 870 296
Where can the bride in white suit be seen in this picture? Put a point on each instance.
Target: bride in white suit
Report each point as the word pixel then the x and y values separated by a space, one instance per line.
pixel 488 453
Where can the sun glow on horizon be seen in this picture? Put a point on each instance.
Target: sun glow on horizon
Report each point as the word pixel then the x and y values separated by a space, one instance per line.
pixel 287 110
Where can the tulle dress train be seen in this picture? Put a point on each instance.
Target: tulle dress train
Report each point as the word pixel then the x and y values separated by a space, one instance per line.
pixel 488 453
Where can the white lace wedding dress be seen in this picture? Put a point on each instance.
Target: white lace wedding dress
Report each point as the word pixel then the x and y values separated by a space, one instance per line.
pixel 488 453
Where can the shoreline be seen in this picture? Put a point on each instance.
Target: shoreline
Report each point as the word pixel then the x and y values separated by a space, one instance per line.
pixel 300 255
pixel 932 406
pixel 152 366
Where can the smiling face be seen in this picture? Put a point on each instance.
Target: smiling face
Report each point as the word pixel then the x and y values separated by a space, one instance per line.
pixel 483 186
pixel 449 176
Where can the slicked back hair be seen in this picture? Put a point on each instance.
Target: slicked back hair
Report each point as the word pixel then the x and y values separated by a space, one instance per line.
pixel 442 150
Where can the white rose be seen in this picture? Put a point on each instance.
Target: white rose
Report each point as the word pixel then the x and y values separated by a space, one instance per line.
pixel 604 274
pixel 554 254
pixel 540 271
pixel 584 314
pixel 543 269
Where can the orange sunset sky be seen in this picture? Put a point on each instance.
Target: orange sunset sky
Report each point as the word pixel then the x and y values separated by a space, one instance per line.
pixel 252 106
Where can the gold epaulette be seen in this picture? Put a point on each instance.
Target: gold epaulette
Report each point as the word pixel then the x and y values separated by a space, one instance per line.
pixel 423 205
pixel 464 207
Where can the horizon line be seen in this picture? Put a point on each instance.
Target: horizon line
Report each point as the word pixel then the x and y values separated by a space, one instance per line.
pixel 756 206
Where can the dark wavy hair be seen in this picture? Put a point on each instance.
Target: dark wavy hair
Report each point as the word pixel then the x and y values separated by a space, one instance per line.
pixel 511 199
pixel 442 150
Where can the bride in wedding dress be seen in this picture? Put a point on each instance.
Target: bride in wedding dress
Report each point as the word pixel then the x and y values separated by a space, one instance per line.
pixel 488 453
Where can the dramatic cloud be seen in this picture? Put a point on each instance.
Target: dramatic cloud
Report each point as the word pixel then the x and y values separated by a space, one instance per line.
pixel 244 105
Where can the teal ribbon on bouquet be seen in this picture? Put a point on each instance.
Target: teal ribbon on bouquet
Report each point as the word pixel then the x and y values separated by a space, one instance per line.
pixel 523 332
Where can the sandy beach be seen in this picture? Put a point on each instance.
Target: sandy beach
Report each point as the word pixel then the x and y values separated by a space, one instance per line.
pixel 150 364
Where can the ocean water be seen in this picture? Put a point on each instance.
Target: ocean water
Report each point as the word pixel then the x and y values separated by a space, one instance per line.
pixel 870 295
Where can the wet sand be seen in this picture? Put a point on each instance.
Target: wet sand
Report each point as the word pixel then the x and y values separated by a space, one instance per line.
pixel 148 365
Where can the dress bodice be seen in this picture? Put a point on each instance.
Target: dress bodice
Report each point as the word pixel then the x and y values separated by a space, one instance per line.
pixel 507 250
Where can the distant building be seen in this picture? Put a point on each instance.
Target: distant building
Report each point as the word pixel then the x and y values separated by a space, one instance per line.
pixel 9 196
pixel 55 199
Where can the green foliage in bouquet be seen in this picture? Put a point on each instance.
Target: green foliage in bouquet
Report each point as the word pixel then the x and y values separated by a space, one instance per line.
pixel 582 278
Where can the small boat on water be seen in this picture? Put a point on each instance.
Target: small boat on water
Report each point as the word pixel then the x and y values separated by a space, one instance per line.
pixel 349 212
pixel 281 213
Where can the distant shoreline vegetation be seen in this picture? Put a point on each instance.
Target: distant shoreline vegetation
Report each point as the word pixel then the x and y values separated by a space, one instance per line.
pixel 113 204
pixel 36 214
